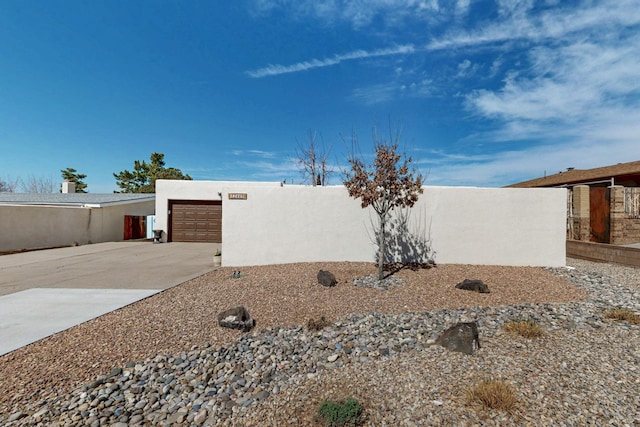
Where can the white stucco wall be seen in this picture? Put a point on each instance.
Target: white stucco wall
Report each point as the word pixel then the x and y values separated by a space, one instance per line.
pixel 293 224
pixel 194 190
pixel 32 227
pixel 505 226
pixel 35 226
pixel 112 220
pixel 281 224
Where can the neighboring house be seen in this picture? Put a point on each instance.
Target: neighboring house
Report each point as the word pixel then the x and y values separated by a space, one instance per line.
pixel 35 221
pixel 603 203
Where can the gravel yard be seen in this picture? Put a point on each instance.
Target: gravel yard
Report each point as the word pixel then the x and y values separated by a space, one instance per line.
pixel 585 368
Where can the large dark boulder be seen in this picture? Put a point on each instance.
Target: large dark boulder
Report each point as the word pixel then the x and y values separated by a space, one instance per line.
pixel 461 337
pixel 236 318
pixel 326 278
pixel 473 285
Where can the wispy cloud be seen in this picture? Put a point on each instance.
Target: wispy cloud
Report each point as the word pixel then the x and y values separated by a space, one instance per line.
pixel 263 154
pixel 270 170
pixel 466 69
pixel 277 69
pixel 554 24
pixel 574 99
pixel 390 91
pixel 571 85
pixel 376 94
pixel 511 166
pixel 462 7
pixel 569 94
pixel 358 13
pixel 255 153
pixel 255 164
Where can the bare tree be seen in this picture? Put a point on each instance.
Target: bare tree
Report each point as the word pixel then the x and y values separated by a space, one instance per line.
pixel 35 184
pixel 384 185
pixel 8 185
pixel 312 160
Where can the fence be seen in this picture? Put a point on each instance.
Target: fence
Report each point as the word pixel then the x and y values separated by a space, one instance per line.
pixel 570 218
pixel 632 202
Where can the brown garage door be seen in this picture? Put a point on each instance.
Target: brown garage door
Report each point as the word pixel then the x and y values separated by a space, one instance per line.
pixel 195 221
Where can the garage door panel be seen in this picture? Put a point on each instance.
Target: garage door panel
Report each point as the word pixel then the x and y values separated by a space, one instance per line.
pixel 196 221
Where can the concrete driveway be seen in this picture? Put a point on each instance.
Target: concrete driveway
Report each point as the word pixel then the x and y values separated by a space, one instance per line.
pixel 44 292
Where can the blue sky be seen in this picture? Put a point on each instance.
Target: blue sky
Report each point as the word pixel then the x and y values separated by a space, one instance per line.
pixel 487 93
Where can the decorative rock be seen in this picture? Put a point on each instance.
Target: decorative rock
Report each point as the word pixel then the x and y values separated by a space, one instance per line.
pixel 473 285
pixel 461 337
pixel 261 395
pixel 201 416
pixel 326 278
pixel 17 416
pixel 236 318
pixel 40 413
pixel 372 281
pixel 211 385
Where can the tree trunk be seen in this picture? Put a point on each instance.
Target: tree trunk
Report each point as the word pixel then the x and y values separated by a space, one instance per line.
pixel 381 239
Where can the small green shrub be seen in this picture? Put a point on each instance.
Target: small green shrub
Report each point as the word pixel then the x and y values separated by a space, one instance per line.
pixel 317 324
pixel 493 394
pixel 335 414
pixel 624 314
pixel 525 328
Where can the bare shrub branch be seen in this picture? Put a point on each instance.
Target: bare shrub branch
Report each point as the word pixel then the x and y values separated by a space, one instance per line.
pixel 312 160
pixel 35 184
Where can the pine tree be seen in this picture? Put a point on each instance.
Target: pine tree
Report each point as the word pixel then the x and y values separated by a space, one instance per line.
pixel 72 175
pixel 144 175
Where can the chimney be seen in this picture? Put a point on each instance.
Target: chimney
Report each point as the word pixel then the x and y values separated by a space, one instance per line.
pixel 68 187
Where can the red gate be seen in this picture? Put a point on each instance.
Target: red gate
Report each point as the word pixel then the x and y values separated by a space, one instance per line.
pixel 135 227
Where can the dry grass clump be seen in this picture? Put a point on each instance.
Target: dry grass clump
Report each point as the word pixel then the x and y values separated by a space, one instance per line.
pixel 317 324
pixel 525 328
pixel 623 314
pixel 493 394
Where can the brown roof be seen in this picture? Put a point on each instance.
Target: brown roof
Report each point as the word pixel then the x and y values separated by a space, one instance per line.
pixel 629 170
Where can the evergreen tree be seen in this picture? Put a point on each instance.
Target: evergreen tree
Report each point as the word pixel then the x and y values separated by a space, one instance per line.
pixel 72 175
pixel 144 175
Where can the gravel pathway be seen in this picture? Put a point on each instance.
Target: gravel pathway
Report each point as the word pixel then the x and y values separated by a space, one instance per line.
pixel 164 361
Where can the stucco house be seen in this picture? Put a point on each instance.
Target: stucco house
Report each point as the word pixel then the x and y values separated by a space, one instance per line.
pixel 603 203
pixel 260 223
pixel 35 221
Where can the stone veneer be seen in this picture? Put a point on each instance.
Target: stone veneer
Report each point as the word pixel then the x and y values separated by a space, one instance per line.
pixel 623 228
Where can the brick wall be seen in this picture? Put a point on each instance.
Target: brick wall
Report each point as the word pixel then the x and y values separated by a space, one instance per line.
pixel 580 219
pixel 624 227
pixel 603 252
